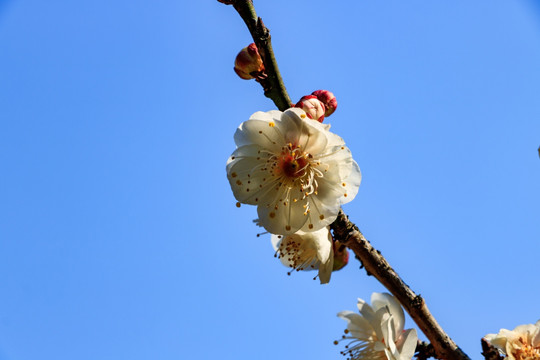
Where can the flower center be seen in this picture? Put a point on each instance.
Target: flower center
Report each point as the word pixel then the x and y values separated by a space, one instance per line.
pixel 292 162
pixel 298 167
pixel 526 351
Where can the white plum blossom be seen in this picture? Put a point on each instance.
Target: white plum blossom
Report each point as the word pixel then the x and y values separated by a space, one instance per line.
pixel 522 343
pixel 377 332
pixel 307 251
pixel 293 169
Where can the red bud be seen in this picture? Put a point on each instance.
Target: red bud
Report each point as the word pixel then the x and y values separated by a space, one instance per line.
pixel 312 106
pixel 248 61
pixel 328 99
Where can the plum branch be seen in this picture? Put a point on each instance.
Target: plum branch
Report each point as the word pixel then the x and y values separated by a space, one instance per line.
pixel 376 265
pixel 442 346
pixel 271 81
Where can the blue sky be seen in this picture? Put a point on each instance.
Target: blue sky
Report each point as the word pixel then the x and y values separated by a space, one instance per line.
pixel 119 235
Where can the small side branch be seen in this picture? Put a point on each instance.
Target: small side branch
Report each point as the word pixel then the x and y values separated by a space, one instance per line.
pixel 272 83
pixel 489 352
pixel 376 265
pixel 424 350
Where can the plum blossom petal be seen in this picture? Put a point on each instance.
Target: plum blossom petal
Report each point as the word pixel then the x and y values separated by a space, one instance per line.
pixel 385 300
pixel 377 332
pixel 293 169
pixel 307 251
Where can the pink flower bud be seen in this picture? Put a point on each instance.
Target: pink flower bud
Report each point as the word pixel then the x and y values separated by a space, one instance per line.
pixel 328 99
pixel 341 256
pixel 312 106
pixel 248 61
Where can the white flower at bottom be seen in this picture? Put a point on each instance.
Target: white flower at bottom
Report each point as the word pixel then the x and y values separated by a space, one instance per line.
pixel 377 332
pixel 307 251
pixel 293 169
pixel 522 343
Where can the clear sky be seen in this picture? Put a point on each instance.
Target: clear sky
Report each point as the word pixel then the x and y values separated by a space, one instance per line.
pixel 119 235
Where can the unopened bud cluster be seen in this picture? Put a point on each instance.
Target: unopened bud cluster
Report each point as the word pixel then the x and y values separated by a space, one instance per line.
pixel 319 104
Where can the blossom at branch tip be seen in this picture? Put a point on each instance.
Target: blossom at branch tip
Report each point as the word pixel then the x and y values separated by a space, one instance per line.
pixel 306 251
pixel 377 332
pixel 248 62
pixel 293 169
pixel 522 343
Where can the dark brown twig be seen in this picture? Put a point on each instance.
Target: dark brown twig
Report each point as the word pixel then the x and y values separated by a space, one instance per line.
pixel 272 84
pixel 376 265
pixel 489 351
pixel 424 350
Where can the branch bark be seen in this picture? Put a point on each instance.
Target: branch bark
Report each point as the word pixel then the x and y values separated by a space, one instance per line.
pixel 489 352
pixel 376 265
pixel 424 350
pixel 273 85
